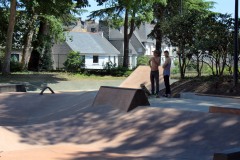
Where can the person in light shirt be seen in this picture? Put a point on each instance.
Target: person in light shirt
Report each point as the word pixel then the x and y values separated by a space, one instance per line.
pixel 154 63
pixel 166 74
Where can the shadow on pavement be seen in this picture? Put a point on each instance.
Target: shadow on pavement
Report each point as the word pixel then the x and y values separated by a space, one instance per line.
pixel 144 133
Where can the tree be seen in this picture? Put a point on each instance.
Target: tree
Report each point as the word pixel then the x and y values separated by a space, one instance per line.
pixel 180 32
pixel 62 10
pixel 50 28
pixel 11 24
pixel 20 28
pixel 178 26
pixel 161 14
pixel 4 18
pixel 30 29
pixel 217 42
pixel 129 13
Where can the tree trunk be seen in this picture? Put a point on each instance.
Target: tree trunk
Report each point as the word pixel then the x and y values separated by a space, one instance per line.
pixel 198 66
pixel 28 42
pixel 181 61
pixel 158 39
pixel 7 57
pixel 126 42
pixel 38 47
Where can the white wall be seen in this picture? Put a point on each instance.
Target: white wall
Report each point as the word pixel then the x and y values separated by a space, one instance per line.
pixel 102 60
pixel 149 48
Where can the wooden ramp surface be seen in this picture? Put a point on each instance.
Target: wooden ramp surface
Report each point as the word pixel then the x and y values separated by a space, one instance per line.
pixel 141 75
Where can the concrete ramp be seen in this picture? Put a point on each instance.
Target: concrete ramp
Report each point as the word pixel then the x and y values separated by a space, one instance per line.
pixel 18 109
pixel 124 99
pixel 141 75
pixel 149 133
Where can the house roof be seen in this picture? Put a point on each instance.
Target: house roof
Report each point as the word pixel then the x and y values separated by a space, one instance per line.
pixel 115 34
pixel 119 45
pixel 143 31
pixel 90 43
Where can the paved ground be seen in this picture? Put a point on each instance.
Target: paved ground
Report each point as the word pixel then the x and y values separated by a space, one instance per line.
pixel 83 85
pixel 65 126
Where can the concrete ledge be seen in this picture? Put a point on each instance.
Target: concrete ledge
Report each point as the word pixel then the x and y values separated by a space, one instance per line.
pixel 12 88
pixel 215 95
pixel 231 154
pixel 215 109
pixel 209 97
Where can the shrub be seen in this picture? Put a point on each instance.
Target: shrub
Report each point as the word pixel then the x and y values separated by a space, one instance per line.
pixel 109 66
pixel 74 62
pixel 119 71
pixel 15 65
pixel 46 61
pixel 142 60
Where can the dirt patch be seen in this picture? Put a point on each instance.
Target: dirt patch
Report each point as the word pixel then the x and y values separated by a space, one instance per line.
pixel 205 85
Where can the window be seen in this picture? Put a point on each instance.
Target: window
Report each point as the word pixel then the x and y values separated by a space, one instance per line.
pixel 95 59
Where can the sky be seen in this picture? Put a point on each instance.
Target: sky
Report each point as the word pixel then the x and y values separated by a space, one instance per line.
pixel 222 6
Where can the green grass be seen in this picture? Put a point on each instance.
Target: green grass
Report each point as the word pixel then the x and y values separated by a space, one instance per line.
pixel 50 77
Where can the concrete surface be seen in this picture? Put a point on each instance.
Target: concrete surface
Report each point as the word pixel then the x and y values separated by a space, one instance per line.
pixel 191 104
pixel 82 85
pixel 62 126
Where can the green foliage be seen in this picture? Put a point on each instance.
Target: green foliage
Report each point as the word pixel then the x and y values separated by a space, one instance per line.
pixel 112 69
pixel 1 54
pixel 177 21
pixel 176 63
pixel 175 69
pixel 1 58
pixel 3 28
pixel 46 61
pixel 55 28
pixel 120 71
pixel 74 62
pixel 216 38
pixel 15 65
pixel 109 65
pixel 142 60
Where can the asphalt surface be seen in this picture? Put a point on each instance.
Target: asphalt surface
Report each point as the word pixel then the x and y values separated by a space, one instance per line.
pixel 65 126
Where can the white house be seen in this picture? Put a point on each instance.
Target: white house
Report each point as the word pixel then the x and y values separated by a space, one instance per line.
pixel 96 49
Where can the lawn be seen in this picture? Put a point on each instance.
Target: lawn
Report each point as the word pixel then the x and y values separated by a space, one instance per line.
pixel 60 80
pixel 17 77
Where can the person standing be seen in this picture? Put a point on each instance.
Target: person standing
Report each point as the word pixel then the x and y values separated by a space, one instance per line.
pixel 166 74
pixel 154 63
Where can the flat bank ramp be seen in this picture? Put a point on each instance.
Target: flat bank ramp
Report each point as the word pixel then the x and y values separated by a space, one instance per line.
pixel 17 109
pixel 141 75
pixel 143 134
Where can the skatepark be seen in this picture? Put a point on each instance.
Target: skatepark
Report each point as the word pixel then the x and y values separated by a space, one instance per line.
pixel 95 124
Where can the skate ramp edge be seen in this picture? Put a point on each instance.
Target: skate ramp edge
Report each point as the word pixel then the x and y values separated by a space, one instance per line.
pixel 12 88
pixel 123 99
pixel 230 154
pixel 141 75
pixel 224 110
